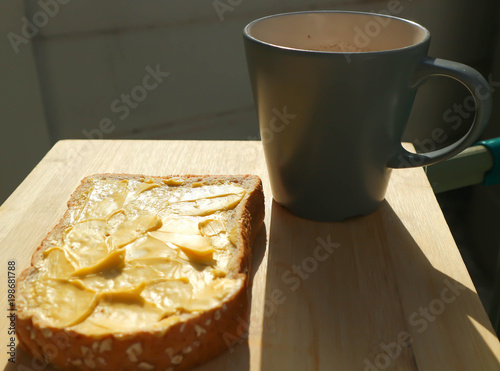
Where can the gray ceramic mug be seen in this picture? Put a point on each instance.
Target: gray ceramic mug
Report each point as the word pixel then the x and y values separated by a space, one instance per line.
pixel 333 92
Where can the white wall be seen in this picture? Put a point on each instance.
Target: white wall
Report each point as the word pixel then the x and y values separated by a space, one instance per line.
pixel 91 52
pixel 24 135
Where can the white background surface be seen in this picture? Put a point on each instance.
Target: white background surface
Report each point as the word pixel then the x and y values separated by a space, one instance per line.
pixel 64 81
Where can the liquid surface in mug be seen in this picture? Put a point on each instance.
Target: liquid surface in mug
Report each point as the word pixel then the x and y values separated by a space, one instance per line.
pixel 342 47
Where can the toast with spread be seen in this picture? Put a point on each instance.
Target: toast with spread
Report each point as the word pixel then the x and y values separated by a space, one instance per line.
pixel 142 273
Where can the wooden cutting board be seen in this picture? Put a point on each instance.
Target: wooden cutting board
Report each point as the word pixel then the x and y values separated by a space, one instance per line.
pixel 388 291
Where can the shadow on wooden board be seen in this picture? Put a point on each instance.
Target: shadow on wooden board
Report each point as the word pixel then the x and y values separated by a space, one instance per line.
pixel 361 295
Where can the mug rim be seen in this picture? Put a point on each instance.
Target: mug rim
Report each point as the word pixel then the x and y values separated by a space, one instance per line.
pixel 247 34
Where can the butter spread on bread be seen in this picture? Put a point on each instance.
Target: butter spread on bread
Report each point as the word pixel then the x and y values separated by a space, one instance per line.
pixel 147 266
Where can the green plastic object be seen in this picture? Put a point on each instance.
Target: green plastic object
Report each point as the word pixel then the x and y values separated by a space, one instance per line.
pixel 492 176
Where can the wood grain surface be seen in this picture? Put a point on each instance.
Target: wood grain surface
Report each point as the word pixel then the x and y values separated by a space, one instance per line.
pixel 387 291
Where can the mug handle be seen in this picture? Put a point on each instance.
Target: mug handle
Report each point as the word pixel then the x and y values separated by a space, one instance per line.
pixel 477 86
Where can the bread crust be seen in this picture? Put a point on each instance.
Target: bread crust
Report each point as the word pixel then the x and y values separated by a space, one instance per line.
pixel 195 340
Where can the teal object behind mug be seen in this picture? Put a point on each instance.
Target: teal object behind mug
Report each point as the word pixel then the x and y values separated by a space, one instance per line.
pixel 333 92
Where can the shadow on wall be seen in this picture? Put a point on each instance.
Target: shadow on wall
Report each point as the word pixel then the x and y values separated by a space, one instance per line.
pixel 86 66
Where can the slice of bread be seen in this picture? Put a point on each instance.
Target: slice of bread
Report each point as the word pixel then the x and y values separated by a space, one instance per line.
pixel 142 273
